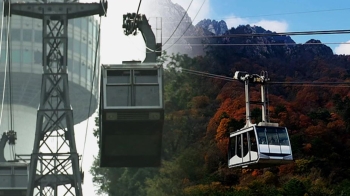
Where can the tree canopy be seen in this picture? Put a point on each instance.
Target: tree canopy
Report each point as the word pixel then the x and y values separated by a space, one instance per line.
pixel 201 111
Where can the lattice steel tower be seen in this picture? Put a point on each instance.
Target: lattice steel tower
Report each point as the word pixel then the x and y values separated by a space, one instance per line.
pixel 54 166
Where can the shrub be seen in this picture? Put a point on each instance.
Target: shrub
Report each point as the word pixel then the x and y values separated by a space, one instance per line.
pixel 294 187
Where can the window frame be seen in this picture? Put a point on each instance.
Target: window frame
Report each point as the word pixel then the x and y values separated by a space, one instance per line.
pixel 133 84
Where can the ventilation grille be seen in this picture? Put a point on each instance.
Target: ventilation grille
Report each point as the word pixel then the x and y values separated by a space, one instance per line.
pixel 132 115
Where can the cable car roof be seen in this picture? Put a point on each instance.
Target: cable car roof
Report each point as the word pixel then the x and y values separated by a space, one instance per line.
pixel 130 65
pixel 245 129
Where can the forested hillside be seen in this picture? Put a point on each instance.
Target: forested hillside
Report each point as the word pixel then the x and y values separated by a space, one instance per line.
pixel 201 111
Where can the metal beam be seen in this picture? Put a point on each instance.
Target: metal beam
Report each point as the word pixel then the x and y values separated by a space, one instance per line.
pixel 70 10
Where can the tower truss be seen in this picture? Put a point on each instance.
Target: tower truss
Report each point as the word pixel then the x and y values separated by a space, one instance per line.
pixel 54 166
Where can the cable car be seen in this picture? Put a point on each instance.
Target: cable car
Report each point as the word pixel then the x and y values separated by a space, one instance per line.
pixel 259 146
pixel 13 174
pixel 131 114
pixel 262 145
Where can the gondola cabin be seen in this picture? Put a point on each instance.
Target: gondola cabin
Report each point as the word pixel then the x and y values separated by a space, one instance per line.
pixel 13 178
pixel 131 114
pixel 259 146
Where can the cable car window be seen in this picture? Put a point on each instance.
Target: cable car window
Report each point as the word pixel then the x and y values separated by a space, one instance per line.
pixel 146 76
pixel 272 136
pixel 239 145
pixel 261 135
pixel 5 170
pixel 283 136
pixel 118 76
pixel 118 95
pixel 245 144
pixel 253 145
pixel 147 96
pixel 232 147
pixel 20 170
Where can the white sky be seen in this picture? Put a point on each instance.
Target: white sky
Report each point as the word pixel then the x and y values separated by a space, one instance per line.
pixel 115 47
pixel 343 49
pixel 196 4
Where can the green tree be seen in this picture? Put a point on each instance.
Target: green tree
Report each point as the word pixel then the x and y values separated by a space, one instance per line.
pixel 294 187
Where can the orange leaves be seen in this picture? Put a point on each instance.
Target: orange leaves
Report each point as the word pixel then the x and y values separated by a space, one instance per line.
pixel 307 147
pixel 230 90
pixel 336 125
pixel 199 101
pixel 304 121
pixel 235 108
pixel 231 108
pixel 316 130
pixel 222 136
pixel 307 98
pixel 222 129
pixel 286 169
pixel 256 172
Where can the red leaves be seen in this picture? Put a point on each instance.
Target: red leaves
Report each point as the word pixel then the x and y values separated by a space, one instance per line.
pixel 222 136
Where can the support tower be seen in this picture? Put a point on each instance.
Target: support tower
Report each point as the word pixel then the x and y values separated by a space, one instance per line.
pixel 54 168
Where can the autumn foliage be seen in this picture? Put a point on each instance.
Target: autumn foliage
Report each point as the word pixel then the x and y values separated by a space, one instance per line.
pixel 200 113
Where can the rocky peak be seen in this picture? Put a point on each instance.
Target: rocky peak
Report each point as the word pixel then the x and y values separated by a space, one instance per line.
pixel 213 26
pixel 256 46
pixel 311 49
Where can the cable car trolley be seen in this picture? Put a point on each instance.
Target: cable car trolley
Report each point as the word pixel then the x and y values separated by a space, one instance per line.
pixel 131 114
pixel 262 145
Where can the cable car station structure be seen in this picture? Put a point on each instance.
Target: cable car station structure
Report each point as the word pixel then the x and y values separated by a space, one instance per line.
pixel 258 145
pixel 54 169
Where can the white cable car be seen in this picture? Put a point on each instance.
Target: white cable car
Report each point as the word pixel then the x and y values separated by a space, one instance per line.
pixel 262 145
pixel 131 114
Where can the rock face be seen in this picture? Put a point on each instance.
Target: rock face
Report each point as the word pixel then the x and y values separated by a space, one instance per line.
pixel 177 31
pixel 311 49
pixel 213 26
pixel 256 42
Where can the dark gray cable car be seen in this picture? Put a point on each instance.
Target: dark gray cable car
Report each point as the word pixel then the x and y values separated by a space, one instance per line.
pixel 131 105
pixel 262 145
pixel 132 114
pixel 13 174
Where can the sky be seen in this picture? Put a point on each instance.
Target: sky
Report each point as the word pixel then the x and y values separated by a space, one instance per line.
pixel 274 15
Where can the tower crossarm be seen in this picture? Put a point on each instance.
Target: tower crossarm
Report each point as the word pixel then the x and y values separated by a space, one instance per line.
pixel 39 10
